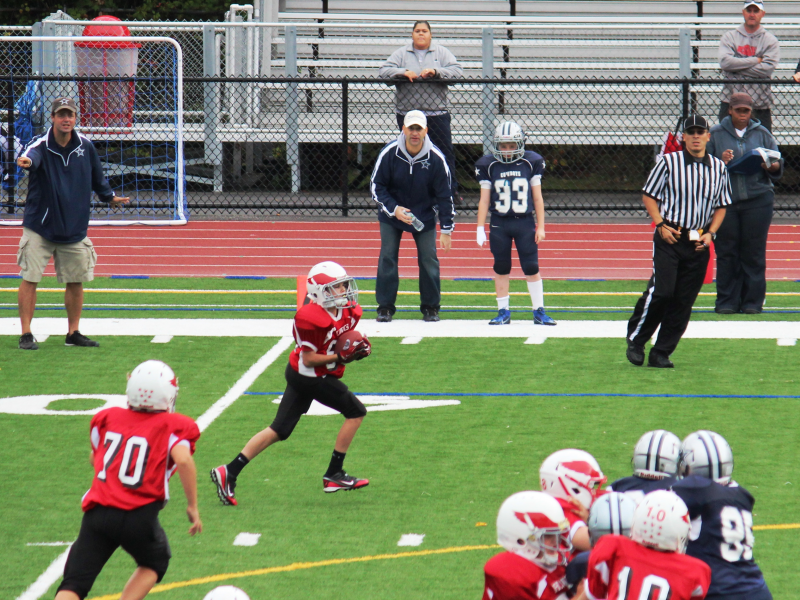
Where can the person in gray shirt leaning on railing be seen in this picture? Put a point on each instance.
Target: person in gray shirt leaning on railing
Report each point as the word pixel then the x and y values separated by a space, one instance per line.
pixel 749 52
pixel 741 242
pixel 422 67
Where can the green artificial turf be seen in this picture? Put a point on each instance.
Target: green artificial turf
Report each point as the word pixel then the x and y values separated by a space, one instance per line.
pixel 276 298
pixel 438 471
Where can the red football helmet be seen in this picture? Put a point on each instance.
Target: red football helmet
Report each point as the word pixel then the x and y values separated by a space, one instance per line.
pixel 533 525
pixel 323 278
pixel 572 473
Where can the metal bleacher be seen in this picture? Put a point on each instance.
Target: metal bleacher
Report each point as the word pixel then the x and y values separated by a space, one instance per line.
pixel 567 40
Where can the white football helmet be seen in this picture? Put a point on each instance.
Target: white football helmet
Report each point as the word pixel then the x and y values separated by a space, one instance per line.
pixel 611 513
pixel 508 131
pixel 226 592
pixel 661 521
pixel 572 473
pixel 707 454
pixel 533 525
pixel 657 455
pixel 152 387
pixel 323 277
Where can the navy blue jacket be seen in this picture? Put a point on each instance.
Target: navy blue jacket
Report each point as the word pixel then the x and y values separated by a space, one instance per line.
pixel 420 183
pixel 60 185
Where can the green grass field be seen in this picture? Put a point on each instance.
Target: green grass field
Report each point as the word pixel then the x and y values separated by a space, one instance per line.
pixel 439 471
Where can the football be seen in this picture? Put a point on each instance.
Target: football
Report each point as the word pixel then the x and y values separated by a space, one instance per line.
pixel 226 592
pixel 347 340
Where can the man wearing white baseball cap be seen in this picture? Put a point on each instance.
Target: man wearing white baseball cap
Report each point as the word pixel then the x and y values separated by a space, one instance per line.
pixel 411 184
pixel 749 52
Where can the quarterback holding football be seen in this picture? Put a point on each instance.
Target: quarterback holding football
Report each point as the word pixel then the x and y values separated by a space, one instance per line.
pixel 314 373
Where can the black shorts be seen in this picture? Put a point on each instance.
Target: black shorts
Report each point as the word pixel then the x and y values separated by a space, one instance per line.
pixel 302 390
pixel 103 530
pixel 520 231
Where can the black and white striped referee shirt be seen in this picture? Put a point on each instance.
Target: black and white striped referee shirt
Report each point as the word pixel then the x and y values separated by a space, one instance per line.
pixel 687 190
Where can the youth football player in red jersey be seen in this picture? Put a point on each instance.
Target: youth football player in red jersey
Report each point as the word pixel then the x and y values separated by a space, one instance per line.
pixel 653 563
pixel 532 528
pixel 134 453
pixel 313 373
pixel 573 477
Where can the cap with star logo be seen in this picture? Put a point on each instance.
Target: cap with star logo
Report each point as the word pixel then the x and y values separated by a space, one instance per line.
pixel 67 103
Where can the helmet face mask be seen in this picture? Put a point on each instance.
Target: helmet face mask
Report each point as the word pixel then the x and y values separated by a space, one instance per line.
pixel 657 455
pixel 329 286
pixel 572 474
pixel 510 133
pixel 532 525
pixel 152 387
pixel 708 454
pixel 661 521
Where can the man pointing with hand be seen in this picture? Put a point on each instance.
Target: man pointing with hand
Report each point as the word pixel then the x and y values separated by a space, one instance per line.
pixel 63 170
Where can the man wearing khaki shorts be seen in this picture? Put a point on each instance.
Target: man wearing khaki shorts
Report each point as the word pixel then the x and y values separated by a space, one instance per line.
pixel 64 169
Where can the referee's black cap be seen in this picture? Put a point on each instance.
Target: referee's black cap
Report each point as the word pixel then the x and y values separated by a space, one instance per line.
pixel 695 121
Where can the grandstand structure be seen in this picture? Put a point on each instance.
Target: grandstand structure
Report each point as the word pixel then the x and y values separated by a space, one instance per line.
pixel 283 113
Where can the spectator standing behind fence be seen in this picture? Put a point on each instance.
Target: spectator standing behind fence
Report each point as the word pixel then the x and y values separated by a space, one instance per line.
pixel 749 52
pixel 64 169
pixel 742 238
pixel 411 184
pixel 425 65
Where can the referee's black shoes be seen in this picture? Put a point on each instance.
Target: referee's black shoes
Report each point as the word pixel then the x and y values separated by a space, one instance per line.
pixel 635 354
pixel 659 361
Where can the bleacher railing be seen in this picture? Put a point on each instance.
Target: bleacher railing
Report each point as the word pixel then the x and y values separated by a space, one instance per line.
pixel 286 118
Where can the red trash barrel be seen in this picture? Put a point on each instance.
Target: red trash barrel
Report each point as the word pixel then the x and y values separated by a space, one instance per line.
pixel 106 103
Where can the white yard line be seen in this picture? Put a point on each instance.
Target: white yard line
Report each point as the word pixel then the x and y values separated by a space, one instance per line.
pixel 52 574
pixel 399 328
pixel 245 381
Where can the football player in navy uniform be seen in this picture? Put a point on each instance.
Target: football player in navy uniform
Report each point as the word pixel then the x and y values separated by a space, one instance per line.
pixel 722 518
pixel 656 458
pixel 511 188
pixel 314 373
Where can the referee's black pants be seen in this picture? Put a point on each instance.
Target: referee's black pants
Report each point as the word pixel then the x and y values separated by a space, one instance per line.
pixel 678 274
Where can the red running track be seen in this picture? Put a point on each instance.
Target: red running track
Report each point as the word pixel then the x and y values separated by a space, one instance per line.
pixel 275 249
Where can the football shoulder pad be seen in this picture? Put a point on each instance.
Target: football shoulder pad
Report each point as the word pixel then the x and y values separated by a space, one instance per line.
pixel 313 316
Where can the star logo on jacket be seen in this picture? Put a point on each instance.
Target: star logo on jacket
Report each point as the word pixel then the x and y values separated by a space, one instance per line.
pixel 80 151
pixel 477 172
pixel 425 163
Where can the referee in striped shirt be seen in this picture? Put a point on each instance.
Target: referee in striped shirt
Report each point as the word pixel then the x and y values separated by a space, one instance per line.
pixel 685 195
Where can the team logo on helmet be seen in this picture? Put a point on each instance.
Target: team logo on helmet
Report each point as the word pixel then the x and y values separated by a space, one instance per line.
pixel 329 286
pixel 532 525
pixel 508 132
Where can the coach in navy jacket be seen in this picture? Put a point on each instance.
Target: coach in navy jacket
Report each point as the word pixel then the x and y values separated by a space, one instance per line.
pixel 63 169
pixel 412 179
pixel 60 187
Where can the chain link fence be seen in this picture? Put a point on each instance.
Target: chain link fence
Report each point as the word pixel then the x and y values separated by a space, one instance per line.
pixel 594 99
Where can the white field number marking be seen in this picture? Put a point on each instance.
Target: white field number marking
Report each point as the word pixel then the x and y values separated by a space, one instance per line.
pixel 379 403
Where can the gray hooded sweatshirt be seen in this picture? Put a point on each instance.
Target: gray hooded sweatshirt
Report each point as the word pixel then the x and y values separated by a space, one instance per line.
pixel 428 95
pixel 739 52
pixel 724 137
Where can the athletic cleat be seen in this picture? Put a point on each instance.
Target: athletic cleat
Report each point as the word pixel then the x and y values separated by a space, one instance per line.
pixel 503 317
pixel 342 481
pixel 225 485
pixel 28 342
pixel 635 354
pixel 76 338
pixel 540 318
